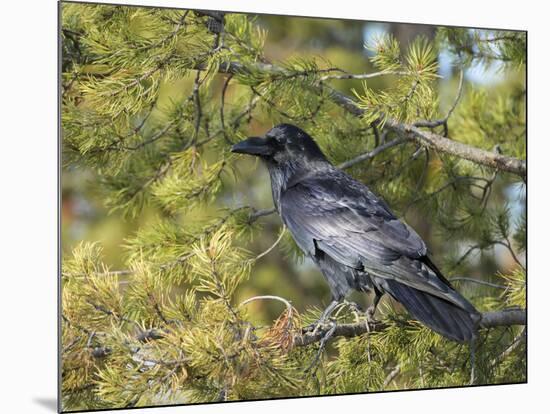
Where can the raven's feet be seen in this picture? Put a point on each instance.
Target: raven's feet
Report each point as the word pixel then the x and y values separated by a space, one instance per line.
pixel 354 307
pixel 319 323
pixel 326 336
pixel 371 310
pixel 324 319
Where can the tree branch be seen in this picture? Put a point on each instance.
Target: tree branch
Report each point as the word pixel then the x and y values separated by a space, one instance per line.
pixel 515 343
pixel 459 149
pixel 427 139
pixel 443 121
pixel 371 154
pixel 347 75
pixel 506 317
pixel 477 281
pixel 391 376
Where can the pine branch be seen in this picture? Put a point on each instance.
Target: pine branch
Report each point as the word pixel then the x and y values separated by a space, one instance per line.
pixel 506 317
pixel 371 154
pixel 515 343
pixel 477 281
pixel 392 375
pixel 363 76
pixel 443 121
pixel 407 131
pixel 459 149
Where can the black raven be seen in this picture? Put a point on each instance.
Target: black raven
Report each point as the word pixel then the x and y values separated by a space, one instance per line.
pixel 353 236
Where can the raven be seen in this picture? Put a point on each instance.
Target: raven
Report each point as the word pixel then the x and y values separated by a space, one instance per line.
pixel 353 236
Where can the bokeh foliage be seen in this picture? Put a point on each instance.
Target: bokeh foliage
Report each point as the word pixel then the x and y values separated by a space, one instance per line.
pixel 175 239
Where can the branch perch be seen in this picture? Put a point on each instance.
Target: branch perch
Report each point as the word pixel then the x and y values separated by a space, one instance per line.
pixel 507 317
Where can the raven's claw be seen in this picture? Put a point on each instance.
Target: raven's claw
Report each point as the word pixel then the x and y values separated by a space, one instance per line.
pixel 322 345
pixel 314 327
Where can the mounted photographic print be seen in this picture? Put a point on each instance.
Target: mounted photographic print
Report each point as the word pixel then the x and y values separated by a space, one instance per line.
pixel 258 206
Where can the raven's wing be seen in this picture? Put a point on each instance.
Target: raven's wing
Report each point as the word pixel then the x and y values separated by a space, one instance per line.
pixel 341 212
pixel 344 219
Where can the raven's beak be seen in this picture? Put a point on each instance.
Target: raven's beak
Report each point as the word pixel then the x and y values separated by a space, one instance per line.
pixel 253 146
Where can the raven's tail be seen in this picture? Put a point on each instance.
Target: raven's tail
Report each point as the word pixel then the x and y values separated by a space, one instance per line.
pixel 442 316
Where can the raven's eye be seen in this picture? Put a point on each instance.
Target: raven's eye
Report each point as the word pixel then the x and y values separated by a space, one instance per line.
pixel 279 140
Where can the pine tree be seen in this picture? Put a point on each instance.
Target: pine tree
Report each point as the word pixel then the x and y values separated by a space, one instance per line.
pixel 152 100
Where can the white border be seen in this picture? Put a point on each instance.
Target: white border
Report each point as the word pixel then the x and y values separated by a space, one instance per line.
pixel 29 201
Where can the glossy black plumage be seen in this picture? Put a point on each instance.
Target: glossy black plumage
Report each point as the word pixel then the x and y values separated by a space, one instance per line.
pixel 353 236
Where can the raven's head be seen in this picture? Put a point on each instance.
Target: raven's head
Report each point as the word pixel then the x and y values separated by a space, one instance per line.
pixel 282 144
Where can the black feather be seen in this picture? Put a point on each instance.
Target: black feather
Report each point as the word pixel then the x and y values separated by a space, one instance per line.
pixel 438 314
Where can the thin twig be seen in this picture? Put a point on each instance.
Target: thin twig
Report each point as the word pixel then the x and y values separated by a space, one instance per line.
pixel 515 343
pixel 198 107
pixel 365 75
pixel 272 246
pixel 506 243
pixel 153 138
pixel 371 154
pixel 270 297
pixel 174 32
pixel 391 376
pixel 443 121
pixel 479 282
pixel 222 108
pixel 261 213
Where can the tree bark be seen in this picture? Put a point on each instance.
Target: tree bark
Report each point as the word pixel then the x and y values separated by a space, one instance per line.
pixel 506 317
